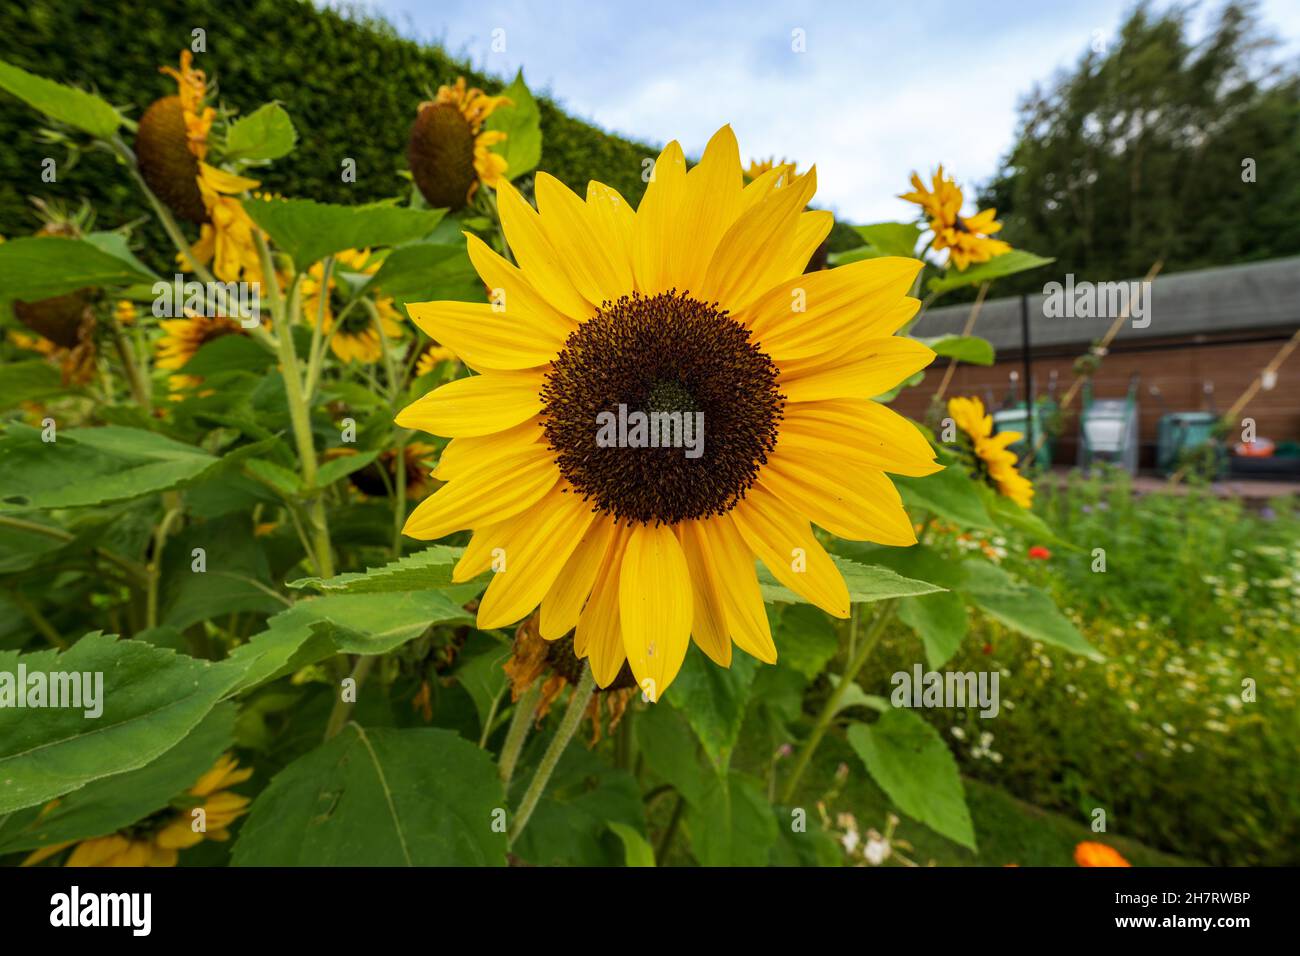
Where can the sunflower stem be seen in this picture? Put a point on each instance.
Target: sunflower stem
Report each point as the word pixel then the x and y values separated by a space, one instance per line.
pixel 568 726
pixel 343 709
pixel 522 719
pixel 832 705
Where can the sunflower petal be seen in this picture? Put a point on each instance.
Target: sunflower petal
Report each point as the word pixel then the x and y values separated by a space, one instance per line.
pixel 873 369
pixel 599 636
pixel 539 260
pixel 486 337
pixel 487 494
pixel 857 430
pixel 562 604
pixel 732 561
pixel 654 600
pixel 478 405
pixel 658 225
pixel 845 498
pixel 709 620
pixel 569 228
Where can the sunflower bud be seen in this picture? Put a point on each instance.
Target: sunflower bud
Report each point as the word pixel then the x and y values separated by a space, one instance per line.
pixel 441 156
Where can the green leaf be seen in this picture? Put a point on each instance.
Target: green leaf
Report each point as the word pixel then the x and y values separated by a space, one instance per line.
pixel 77 108
pixel 236 578
pixel 265 133
pixel 425 570
pixel 1024 608
pixel 91 466
pixel 733 825
pixel 865 583
pixel 970 349
pixel 908 759
pixel 33 380
pixel 635 845
pixel 229 353
pixel 806 638
pixel 21 548
pixel 428 271
pixel 275 476
pixel 38 267
pixel 1013 517
pixel 481 672
pixel 670 749
pixel 940 620
pixel 108 805
pixel 714 699
pixel 309 231
pixel 1017 260
pixel 521 121
pixel 855 696
pixel 950 494
pixel 891 238
pixel 379 797
pixel 343 466
pixel 151 699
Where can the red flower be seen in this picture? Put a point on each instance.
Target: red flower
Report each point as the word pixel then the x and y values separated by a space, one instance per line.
pixel 1039 553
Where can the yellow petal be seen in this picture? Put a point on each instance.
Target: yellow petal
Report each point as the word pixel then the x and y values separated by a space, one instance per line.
pixel 599 636
pixel 612 221
pixel 485 495
pixel 462 454
pixel 857 430
pixel 569 228
pixel 658 223
pixel 508 286
pixel 540 262
pixel 845 498
pixel 486 337
pixel 655 607
pixel 876 367
pixel 562 605
pixel 784 542
pixel 709 620
pixel 478 405
pixel 535 546
pixel 833 310
pixel 711 203
pixel 812 229
pixel 736 578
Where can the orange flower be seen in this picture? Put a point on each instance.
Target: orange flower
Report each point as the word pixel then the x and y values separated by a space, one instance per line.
pixel 1098 854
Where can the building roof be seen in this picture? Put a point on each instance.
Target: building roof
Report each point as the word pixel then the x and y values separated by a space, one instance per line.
pixel 1251 297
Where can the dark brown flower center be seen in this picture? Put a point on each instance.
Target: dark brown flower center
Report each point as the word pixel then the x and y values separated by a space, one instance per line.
pixel 660 409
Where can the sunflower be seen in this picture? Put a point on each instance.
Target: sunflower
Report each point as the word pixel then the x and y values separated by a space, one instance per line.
pixel 450 152
pixel 966 236
pixel 157 840
pixel 432 357
pixel 182 338
pixel 172 149
pixel 993 456
pixel 1098 854
pixel 378 478
pixel 757 167
pixel 692 307
pixel 356 338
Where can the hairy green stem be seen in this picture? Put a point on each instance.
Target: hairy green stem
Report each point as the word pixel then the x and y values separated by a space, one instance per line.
pixel 568 726
pixel 859 657
pixel 342 708
pixel 525 708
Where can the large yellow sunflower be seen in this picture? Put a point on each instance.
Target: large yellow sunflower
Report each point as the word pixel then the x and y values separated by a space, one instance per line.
pixel 991 451
pixel 449 151
pixel 966 236
pixel 694 303
pixel 356 338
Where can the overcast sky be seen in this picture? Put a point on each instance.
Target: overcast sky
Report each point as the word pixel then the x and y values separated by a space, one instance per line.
pixel 881 89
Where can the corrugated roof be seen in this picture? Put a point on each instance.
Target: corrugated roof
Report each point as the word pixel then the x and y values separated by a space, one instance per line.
pixel 1257 295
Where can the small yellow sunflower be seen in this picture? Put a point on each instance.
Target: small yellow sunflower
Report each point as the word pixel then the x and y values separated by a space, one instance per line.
pixel 991 452
pixel 432 357
pixel 449 152
pixel 693 308
pixel 356 339
pixel 182 338
pixel 757 167
pixel 966 236
pixel 157 840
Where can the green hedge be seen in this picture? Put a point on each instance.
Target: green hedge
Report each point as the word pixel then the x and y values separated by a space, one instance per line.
pixel 351 85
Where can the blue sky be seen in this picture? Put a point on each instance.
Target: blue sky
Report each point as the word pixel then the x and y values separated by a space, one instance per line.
pixel 881 89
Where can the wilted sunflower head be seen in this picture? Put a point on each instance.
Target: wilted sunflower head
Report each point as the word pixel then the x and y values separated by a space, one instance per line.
pixel 993 459
pixel 663 397
pixel 449 151
pixel 172 140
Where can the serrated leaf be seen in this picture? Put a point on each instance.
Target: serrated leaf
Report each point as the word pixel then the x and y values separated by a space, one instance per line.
pixel 37 267
pixel 1017 260
pixel 108 805
pixel 91 466
pixel 428 271
pixel 714 699
pixel 950 494
pixel 151 699
pixel 1023 607
pixel 265 133
pixel 309 231
pixel 865 583
pixel 425 570
pixel 521 121
pixel 970 349
pixel 379 797
pixel 733 824
pixel 908 759
pixel 69 105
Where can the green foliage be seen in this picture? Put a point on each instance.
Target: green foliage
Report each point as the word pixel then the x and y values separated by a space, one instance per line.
pixel 309 231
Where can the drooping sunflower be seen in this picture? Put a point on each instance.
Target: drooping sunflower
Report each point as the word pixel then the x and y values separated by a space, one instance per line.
pixel 449 152
pixel 966 236
pixel 172 150
pixel 357 338
pixel 158 840
pixel 992 455
pixel 694 305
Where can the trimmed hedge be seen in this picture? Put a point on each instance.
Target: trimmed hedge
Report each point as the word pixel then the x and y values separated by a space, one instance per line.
pixel 351 84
